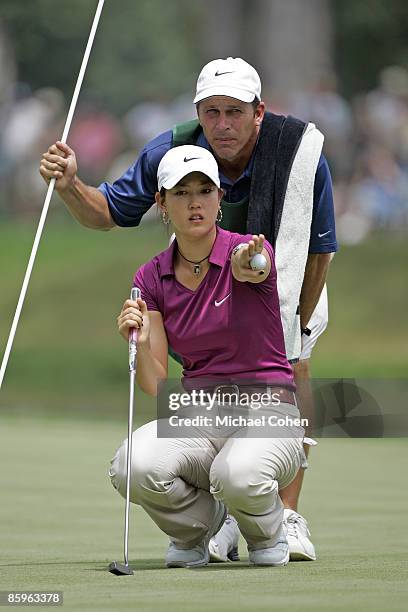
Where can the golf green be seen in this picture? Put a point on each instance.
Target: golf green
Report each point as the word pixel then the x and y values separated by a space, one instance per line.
pixel 62 523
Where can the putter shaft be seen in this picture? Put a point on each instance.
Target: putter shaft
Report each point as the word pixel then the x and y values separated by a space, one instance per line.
pixel 118 568
pixel 129 464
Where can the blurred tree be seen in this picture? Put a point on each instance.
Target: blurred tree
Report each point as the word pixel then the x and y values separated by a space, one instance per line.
pixel 295 44
pixel 288 42
pixel 151 49
pixel 222 30
pixel 7 76
pixel 47 41
pixel 144 49
pixel 368 37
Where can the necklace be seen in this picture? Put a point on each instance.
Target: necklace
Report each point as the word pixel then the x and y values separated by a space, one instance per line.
pixel 197 267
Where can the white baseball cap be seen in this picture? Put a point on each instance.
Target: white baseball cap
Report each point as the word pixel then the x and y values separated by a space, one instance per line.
pixel 231 77
pixel 180 161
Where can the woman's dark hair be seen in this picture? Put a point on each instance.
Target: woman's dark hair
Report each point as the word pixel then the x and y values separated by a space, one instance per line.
pixel 163 197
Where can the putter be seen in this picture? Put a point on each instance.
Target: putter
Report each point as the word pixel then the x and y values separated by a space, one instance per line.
pixel 123 569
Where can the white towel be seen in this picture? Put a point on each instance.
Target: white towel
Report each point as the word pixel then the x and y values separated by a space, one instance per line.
pixel 292 244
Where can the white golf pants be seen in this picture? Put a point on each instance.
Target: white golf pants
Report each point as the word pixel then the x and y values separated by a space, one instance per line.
pixel 177 480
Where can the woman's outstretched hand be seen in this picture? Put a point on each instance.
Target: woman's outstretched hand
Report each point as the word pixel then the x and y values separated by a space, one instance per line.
pixel 241 261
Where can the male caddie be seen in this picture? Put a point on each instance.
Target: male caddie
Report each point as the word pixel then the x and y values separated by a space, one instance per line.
pixel 276 182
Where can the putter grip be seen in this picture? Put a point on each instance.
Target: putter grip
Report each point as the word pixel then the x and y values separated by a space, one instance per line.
pixel 134 295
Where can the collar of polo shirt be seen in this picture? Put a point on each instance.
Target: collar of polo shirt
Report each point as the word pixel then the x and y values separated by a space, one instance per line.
pixel 218 255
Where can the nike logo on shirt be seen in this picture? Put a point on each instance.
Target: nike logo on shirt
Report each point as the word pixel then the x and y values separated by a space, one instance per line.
pixel 221 301
pixel 324 234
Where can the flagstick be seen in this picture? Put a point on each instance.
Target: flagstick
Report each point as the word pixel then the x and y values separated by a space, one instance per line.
pixel 49 194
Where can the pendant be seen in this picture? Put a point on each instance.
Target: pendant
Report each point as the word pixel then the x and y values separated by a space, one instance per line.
pixel 197 269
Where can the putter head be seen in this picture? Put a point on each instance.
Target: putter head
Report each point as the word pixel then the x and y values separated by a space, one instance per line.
pixel 120 569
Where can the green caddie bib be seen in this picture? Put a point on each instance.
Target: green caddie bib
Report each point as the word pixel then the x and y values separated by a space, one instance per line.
pixel 234 214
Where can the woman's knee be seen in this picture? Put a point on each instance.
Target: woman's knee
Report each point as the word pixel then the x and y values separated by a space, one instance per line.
pixel 240 485
pixel 229 478
pixel 145 463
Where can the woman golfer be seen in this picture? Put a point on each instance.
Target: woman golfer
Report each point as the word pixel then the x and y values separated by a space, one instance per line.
pixel 201 297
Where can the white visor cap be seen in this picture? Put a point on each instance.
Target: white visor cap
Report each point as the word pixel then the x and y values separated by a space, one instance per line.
pixel 180 161
pixel 232 77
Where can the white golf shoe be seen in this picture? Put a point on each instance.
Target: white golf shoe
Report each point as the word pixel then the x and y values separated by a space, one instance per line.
pixel 275 555
pixel 224 545
pixel 300 546
pixel 199 555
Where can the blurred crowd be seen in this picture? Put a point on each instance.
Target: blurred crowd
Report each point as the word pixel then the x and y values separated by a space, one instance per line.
pixel 366 144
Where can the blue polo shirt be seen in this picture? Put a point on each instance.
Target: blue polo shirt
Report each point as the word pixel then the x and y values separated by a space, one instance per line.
pixel 133 193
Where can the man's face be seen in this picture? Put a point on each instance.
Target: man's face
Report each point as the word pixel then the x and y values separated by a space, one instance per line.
pixel 230 126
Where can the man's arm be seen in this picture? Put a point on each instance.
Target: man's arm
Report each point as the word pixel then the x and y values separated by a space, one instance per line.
pixel 317 267
pixel 323 243
pixel 87 204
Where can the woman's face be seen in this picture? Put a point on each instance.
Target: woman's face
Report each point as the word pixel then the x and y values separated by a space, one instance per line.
pixel 192 205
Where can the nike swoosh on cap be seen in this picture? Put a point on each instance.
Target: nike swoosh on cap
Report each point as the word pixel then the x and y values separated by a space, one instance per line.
pixel 227 72
pixel 324 234
pixel 191 158
pixel 221 301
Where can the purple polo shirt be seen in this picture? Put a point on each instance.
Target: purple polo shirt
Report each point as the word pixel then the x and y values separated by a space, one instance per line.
pixel 225 329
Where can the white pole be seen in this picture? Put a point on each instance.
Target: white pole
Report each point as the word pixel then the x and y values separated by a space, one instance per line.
pixel 49 194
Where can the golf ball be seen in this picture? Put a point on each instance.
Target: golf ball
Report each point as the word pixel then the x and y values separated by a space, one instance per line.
pixel 258 262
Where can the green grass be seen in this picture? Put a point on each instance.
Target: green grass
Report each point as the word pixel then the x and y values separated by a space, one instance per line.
pixel 61 524
pixel 368 293
pixel 63 412
pixel 67 354
pixel 67 344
